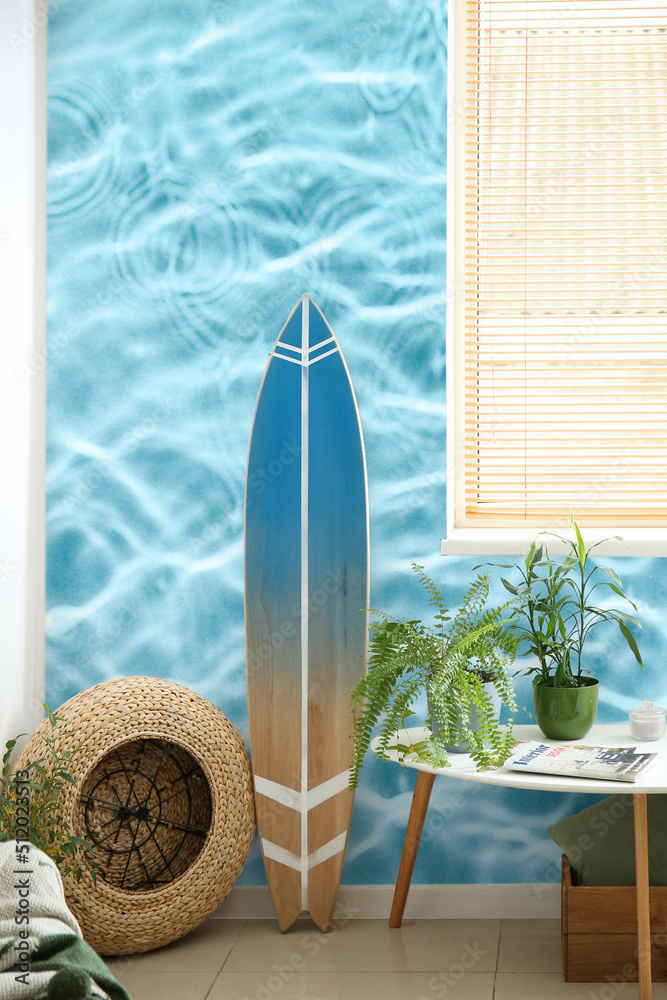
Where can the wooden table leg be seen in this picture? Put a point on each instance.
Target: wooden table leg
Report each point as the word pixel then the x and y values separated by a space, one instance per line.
pixel 420 801
pixel 643 913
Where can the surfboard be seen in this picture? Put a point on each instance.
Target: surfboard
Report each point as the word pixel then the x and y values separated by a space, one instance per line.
pixel 306 581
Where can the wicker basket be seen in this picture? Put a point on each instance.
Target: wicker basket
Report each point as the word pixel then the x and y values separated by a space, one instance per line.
pixel 163 788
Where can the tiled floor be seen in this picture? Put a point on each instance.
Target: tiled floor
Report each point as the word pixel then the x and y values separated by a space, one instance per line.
pixel 363 960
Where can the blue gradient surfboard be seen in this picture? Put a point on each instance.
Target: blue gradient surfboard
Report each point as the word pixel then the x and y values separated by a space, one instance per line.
pixel 306 579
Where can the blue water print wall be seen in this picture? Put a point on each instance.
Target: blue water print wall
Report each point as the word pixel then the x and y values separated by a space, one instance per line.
pixel 209 162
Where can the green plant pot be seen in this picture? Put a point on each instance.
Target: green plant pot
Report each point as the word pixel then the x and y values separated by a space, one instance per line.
pixel 566 713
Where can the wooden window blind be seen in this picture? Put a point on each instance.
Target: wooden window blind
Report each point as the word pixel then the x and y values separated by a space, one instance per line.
pixel 564 366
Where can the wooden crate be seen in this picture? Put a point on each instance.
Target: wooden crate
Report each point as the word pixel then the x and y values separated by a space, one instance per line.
pixel 599 932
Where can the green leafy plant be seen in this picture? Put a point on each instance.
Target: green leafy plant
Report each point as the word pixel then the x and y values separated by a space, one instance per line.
pixel 455 662
pixel 31 807
pixel 559 607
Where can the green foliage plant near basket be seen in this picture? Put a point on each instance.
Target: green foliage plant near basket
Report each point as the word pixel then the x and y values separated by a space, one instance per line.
pixel 455 662
pixel 30 805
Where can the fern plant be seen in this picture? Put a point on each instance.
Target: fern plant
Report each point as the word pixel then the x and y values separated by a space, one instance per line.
pixel 455 661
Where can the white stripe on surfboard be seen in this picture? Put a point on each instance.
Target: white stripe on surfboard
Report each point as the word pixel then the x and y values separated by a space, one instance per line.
pixel 283 357
pixel 305 345
pixel 293 800
pixel 322 343
pixel 305 364
pixel 309 350
pixel 327 789
pixel 320 357
pixel 279 793
pixel 284 857
pixel 327 851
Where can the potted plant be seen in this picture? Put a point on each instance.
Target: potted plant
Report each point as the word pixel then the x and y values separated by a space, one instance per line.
pixel 557 611
pixel 460 662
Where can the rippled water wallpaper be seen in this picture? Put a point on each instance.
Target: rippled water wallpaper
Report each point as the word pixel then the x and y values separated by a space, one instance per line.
pixel 209 162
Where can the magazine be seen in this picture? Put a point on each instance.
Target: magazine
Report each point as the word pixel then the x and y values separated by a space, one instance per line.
pixel 612 763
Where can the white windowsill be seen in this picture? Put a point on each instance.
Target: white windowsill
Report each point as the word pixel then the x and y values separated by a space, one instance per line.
pixel 637 542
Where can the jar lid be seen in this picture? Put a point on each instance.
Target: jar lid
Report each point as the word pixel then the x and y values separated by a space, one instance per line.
pixel 647 711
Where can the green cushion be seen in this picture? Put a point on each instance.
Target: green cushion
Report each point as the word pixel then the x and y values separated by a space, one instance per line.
pixel 599 842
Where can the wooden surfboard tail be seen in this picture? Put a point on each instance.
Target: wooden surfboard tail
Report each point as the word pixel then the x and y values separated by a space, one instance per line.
pixel 306 581
pixel 304 883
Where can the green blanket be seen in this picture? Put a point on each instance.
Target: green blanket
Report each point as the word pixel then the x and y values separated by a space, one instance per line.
pixel 42 952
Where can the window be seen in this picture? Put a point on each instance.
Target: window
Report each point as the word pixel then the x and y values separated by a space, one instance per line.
pixel 557 259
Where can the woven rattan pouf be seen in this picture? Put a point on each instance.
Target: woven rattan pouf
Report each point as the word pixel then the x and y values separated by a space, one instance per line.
pixel 163 789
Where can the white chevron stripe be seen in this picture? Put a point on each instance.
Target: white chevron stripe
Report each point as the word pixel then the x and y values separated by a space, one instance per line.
pixel 289 347
pixel 293 799
pixel 313 361
pixel 334 847
pixel 327 790
pixel 279 793
pixel 280 855
pixel 283 357
pixel 284 857
pixel 305 364
pixel 322 343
